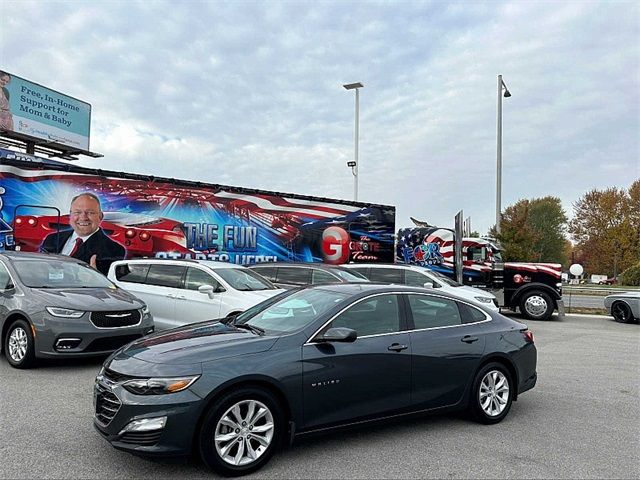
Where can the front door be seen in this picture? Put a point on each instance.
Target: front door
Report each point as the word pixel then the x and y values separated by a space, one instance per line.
pixel 368 377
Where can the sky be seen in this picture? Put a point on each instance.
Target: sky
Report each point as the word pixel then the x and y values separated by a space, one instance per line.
pixel 250 94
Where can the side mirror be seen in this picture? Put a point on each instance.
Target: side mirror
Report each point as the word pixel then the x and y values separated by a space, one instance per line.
pixel 339 334
pixel 206 289
pixel 428 285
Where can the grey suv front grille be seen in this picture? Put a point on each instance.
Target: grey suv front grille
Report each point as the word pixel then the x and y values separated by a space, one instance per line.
pixel 123 318
pixel 107 404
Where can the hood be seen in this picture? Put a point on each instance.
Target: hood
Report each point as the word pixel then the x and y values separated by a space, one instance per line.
pixel 554 269
pixel 196 343
pixel 87 299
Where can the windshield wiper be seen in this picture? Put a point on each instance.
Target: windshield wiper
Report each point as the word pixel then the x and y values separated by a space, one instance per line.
pixel 252 328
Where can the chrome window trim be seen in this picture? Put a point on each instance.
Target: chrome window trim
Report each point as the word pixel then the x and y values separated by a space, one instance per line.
pixel 309 342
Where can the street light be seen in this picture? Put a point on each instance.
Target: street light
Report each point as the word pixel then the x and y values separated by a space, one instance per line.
pixel 354 164
pixel 502 90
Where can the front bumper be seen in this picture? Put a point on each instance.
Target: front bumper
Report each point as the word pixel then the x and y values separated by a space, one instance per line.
pixel 82 338
pixel 181 410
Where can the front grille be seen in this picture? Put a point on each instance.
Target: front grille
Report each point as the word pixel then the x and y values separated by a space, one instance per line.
pixel 109 344
pixel 122 318
pixel 107 404
pixel 141 438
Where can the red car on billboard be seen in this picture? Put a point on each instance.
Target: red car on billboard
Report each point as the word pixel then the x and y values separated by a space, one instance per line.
pixel 142 235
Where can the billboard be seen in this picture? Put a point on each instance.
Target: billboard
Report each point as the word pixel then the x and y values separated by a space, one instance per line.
pixel 31 109
pixel 167 218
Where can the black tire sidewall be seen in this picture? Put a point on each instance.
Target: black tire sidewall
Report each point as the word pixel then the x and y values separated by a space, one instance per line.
pixel 627 309
pixel 29 357
pixel 206 442
pixel 475 407
pixel 545 296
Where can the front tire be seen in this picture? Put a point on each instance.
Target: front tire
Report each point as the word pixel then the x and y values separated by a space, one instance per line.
pixel 536 305
pixel 241 431
pixel 621 312
pixel 19 345
pixel 491 394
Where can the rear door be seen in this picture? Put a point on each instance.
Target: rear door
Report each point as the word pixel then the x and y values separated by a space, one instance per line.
pixel 447 348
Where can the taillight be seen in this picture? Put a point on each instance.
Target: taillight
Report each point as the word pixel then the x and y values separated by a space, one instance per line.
pixel 528 335
pixel 144 236
pixel 32 221
pixel 130 233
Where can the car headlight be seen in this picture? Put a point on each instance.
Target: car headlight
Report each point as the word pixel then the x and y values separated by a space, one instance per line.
pixel 64 312
pixel 159 386
pixel 484 299
pixel 144 310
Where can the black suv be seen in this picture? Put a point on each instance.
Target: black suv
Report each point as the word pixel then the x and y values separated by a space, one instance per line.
pixel 291 275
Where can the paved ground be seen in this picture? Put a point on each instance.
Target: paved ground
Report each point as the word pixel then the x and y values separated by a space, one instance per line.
pixel 581 421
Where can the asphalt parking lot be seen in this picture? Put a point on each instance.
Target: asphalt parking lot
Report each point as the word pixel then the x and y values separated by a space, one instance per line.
pixel 581 421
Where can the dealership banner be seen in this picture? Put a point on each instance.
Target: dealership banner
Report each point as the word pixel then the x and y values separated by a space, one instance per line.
pixel 168 218
pixel 42 113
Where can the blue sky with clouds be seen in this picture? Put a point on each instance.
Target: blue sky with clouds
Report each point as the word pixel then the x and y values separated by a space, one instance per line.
pixel 250 93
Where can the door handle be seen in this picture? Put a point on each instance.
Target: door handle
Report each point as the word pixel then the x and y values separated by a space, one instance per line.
pixel 171 295
pixel 469 339
pixel 396 347
pixel 181 297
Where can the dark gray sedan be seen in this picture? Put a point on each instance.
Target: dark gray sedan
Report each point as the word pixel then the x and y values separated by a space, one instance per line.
pixel 306 361
pixel 57 306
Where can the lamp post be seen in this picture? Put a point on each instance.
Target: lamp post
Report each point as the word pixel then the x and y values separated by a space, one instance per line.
pixel 502 90
pixel 354 163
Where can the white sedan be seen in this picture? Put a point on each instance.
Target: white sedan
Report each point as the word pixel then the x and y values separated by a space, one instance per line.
pixel 624 307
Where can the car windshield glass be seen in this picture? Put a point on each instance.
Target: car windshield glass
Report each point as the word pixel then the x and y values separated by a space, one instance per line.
pixel 244 279
pixel 350 276
pixel 291 312
pixel 56 274
pixel 444 279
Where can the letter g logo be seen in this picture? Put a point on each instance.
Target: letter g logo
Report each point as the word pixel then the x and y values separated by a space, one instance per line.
pixel 335 245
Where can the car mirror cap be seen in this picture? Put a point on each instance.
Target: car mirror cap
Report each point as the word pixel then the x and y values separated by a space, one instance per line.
pixel 206 289
pixel 428 284
pixel 339 334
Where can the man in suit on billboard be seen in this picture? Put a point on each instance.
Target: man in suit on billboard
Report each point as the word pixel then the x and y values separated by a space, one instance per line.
pixel 87 241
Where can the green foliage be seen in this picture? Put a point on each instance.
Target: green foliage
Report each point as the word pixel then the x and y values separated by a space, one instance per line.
pixel 631 276
pixel 606 228
pixel 533 231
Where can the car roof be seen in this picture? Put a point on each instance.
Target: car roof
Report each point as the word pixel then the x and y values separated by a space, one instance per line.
pixel 208 263
pixel 322 266
pixel 374 287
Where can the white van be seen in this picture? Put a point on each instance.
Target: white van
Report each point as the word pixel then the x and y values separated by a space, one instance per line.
pixel 179 292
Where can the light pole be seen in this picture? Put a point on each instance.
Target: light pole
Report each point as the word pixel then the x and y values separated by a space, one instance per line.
pixel 502 90
pixel 354 164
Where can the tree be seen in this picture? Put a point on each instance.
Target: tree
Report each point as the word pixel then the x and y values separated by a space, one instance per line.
pixel 606 229
pixel 533 231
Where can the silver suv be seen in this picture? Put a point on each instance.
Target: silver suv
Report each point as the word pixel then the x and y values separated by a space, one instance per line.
pixel 57 306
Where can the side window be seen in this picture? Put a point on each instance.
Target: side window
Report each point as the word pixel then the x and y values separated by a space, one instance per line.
pixel 165 275
pixel 430 312
pixel 132 272
pixel 5 279
pixel 195 278
pixel 376 315
pixel 416 279
pixel 471 314
pixel 476 254
pixel 387 275
pixel 267 272
pixel 320 276
pixel 294 276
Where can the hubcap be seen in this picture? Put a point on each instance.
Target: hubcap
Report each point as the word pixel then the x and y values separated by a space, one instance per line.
pixel 244 432
pixel 494 393
pixel 17 344
pixel 535 306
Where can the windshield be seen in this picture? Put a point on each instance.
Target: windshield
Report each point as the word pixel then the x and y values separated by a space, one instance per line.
pixel 56 274
pixel 244 279
pixel 444 279
pixel 350 275
pixel 292 311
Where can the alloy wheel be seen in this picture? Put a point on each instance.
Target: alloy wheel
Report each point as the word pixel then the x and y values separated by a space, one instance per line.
pixel 494 393
pixel 621 312
pixel 18 343
pixel 244 432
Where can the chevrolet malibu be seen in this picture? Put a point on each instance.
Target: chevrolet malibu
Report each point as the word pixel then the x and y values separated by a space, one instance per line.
pixel 56 306
pixel 309 360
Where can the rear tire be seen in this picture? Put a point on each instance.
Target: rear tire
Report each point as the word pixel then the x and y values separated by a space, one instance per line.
pixel 536 305
pixel 491 394
pixel 19 345
pixel 621 312
pixel 241 431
